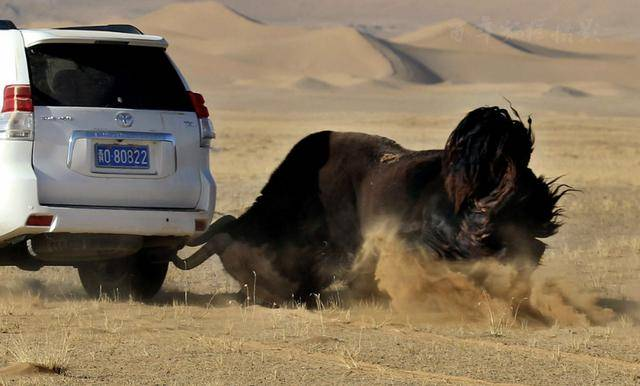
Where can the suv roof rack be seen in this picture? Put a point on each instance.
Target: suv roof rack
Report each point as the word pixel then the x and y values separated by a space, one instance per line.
pixel 7 24
pixel 122 28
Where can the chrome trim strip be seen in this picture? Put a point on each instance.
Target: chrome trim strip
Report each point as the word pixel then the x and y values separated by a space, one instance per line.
pixel 115 135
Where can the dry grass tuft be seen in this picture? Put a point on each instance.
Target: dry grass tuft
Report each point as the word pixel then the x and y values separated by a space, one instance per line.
pixel 52 354
pixel 500 318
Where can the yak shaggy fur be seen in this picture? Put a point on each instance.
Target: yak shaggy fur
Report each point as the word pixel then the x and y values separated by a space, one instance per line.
pixel 476 198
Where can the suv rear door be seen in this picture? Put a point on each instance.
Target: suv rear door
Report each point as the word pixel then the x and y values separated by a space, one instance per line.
pixel 113 127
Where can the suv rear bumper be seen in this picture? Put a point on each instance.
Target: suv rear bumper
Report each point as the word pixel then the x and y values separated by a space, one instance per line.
pixel 19 200
pixel 111 221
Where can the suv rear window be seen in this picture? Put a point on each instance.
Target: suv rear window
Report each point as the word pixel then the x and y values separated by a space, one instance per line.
pixel 105 75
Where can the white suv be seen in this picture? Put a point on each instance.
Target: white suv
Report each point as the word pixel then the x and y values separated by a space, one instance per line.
pixel 104 156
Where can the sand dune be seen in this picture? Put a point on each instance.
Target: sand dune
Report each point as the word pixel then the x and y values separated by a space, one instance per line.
pixel 317 53
pixel 566 91
pixel 471 67
pixel 455 34
pixel 232 48
pixel 314 84
pixel 223 47
pixel 591 17
pixel 205 20
pixel 405 66
pixel 460 52
pixel 461 35
pixel 387 17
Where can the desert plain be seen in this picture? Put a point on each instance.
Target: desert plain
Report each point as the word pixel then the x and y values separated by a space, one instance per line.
pixel 270 84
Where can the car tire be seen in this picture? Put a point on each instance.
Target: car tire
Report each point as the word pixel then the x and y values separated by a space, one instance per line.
pixel 137 277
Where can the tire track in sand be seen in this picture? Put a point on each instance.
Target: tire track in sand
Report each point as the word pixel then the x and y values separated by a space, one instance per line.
pixel 285 352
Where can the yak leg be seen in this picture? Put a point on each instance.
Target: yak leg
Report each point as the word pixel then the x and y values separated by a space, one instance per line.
pixel 252 267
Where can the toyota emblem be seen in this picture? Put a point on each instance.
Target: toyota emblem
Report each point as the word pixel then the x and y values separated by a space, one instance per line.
pixel 124 119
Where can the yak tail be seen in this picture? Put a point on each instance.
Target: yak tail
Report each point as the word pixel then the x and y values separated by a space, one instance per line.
pixel 483 154
pixel 215 239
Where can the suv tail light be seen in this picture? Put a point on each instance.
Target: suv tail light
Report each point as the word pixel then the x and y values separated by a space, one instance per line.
pixel 17 98
pixel 197 100
pixel 16 118
pixel 207 132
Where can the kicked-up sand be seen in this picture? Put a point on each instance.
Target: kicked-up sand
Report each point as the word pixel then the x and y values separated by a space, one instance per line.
pixel 573 320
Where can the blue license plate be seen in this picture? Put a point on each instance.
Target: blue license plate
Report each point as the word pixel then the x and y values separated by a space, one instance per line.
pixel 122 156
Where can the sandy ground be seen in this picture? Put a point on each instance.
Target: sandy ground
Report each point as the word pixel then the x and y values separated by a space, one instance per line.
pixel 268 86
pixel 190 334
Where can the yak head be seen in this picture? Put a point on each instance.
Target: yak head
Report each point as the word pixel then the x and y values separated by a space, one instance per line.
pixel 501 207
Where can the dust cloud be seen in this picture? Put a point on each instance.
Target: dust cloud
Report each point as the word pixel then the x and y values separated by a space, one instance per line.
pixel 419 284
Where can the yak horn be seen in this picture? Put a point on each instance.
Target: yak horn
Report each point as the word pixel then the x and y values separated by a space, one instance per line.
pixel 213 229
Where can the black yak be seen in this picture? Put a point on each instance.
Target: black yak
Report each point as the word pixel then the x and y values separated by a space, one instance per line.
pixel 476 198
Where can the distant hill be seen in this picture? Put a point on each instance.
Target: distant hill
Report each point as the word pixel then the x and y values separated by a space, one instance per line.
pixel 77 11
pixel 223 46
pixel 220 46
pixel 582 18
